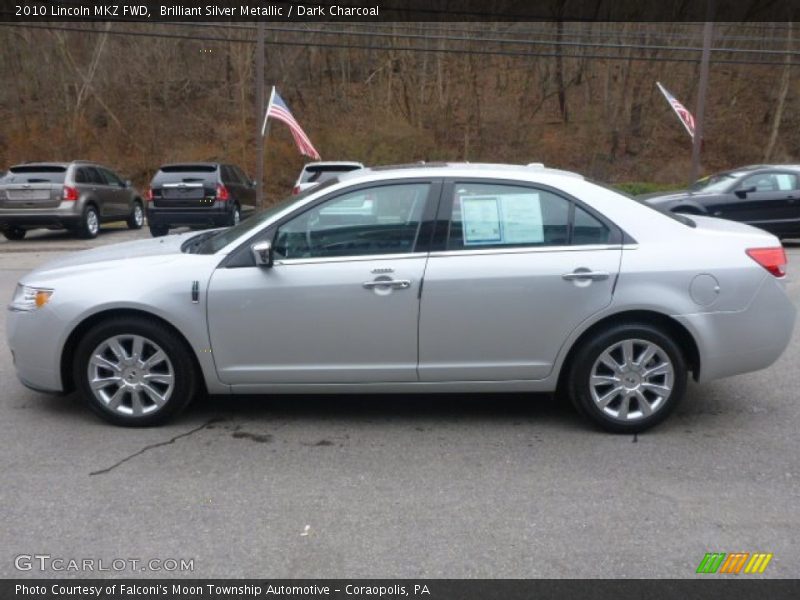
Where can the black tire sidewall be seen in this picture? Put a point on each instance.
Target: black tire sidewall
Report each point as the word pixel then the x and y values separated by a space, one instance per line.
pixel 177 351
pixel 158 230
pixel 14 233
pixel 232 220
pixel 132 224
pixel 580 372
pixel 83 229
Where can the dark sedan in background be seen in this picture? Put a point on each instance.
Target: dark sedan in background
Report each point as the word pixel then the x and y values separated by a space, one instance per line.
pixel 765 196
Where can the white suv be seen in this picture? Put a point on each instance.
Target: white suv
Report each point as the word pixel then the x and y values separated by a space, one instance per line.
pixel 317 172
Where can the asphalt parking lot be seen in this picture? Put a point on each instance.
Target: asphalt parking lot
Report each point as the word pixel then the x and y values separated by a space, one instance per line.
pixel 426 486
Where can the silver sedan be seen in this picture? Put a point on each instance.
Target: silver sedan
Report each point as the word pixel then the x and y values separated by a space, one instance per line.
pixel 452 278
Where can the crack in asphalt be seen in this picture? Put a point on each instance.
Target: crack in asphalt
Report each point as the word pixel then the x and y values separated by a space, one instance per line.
pixel 157 445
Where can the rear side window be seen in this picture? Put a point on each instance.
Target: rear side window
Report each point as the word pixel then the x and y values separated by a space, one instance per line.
pixel 94 176
pixel 507 216
pixel 111 178
pixel 35 174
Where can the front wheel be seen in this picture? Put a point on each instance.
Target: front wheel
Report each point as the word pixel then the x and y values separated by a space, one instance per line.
pixel 628 378
pixel 136 218
pixel 133 373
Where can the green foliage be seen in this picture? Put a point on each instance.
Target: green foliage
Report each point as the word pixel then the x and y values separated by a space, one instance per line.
pixel 634 188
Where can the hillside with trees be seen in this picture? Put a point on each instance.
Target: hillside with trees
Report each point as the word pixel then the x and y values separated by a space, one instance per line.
pixel 578 96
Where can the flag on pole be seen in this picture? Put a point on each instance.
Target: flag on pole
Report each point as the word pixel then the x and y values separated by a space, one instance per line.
pixel 277 109
pixel 683 114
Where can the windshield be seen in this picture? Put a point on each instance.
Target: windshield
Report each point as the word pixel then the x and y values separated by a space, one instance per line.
pixel 223 237
pixel 718 182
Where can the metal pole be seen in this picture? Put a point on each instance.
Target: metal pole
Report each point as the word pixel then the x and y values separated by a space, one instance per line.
pixel 259 139
pixel 701 95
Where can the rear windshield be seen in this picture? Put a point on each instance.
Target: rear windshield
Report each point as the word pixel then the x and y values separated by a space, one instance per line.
pixel 185 174
pixel 35 175
pixel 320 173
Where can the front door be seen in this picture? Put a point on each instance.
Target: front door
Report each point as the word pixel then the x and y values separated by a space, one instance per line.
pixel 522 268
pixel 341 302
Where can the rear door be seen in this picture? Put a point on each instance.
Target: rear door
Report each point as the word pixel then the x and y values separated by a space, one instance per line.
pixel 97 188
pixel 117 195
pixel 248 195
pixel 518 268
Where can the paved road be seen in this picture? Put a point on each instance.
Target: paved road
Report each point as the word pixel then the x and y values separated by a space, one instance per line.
pixel 424 486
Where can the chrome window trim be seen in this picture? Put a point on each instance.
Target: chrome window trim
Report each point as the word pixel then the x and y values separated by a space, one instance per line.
pixel 342 259
pixel 526 250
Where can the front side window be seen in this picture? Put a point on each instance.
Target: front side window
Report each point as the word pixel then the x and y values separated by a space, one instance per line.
pixel 500 216
pixel 770 182
pixel 378 220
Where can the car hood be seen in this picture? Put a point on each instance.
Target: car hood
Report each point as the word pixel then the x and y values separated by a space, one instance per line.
pixel 150 251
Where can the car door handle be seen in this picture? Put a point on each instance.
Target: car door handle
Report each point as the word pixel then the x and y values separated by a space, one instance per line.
pixel 398 284
pixel 580 274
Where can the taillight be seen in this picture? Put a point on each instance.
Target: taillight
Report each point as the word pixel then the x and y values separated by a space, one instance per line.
pixel 149 194
pixel 772 259
pixel 296 190
pixel 70 193
pixel 222 192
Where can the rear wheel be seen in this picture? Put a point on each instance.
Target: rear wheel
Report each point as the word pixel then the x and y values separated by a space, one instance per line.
pixel 90 223
pixel 14 233
pixel 133 373
pixel 158 230
pixel 235 216
pixel 136 218
pixel 628 378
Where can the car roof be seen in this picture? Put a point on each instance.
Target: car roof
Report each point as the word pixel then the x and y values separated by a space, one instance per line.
pixel 530 172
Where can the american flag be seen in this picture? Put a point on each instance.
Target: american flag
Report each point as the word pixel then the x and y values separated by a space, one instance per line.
pixel 277 108
pixel 683 114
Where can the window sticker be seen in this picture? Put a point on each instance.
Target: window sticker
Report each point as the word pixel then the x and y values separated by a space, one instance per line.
pixel 481 218
pixel 506 219
pixel 521 219
pixel 785 182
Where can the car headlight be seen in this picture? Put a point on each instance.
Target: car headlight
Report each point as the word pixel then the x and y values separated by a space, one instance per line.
pixel 30 298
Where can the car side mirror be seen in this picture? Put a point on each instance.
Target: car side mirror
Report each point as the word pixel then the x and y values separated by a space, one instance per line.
pixel 744 191
pixel 127 183
pixel 262 253
pixel 253 183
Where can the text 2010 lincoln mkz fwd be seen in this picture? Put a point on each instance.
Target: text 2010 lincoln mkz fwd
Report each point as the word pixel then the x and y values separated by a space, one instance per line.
pixel 451 278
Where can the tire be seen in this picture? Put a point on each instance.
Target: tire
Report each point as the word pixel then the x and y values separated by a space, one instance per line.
pixel 14 233
pixel 136 218
pixel 171 379
pixel 89 226
pixel 235 216
pixel 158 230
pixel 630 401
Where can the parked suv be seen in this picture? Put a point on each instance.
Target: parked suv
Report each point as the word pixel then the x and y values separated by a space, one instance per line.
pixel 76 195
pixel 315 173
pixel 198 194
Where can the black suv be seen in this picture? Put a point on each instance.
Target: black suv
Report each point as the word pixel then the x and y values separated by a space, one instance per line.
pixel 198 194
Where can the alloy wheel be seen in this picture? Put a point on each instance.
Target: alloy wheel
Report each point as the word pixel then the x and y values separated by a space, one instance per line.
pixel 131 375
pixel 631 380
